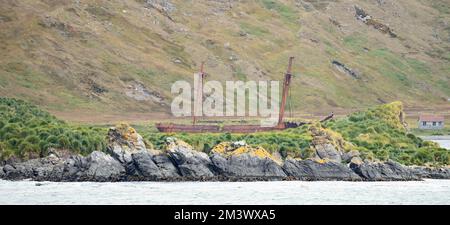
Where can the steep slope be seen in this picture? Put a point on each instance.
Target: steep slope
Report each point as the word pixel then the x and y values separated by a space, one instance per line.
pixel 100 57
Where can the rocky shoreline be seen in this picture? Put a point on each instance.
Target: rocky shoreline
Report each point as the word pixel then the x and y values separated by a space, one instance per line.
pixel 128 159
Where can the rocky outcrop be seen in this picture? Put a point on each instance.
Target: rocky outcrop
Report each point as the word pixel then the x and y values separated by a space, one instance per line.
pixel 247 166
pixel 162 5
pixel 139 92
pixel 191 164
pixel 128 147
pixel 167 169
pixel 383 171
pixel 128 159
pixel 145 166
pixel 313 170
pixel 37 169
pixel 123 141
pixel 237 159
pixel 165 7
pixel 73 168
pixel 368 20
pixel 347 157
pixel 327 151
pixel 329 145
pixel 346 70
pixel 103 167
pixel 98 166
pixel 125 136
pixel 431 173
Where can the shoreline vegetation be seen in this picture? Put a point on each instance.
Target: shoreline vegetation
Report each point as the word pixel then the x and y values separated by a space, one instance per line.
pixel 370 145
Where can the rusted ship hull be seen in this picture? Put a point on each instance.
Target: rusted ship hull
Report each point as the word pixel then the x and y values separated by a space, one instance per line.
pixel 194 128
pixel 175 128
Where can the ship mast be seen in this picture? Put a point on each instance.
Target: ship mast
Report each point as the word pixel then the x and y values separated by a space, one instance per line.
pixel 198 100
pixel 287 82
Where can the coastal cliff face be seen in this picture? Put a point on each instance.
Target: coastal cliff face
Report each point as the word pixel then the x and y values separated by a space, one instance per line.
pixel 371 145
pixel 128 159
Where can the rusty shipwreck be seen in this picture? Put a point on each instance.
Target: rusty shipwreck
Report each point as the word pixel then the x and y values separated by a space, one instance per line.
pixel 238 128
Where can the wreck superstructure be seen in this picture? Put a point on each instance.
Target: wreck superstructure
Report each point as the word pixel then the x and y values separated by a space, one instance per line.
pixel 239 128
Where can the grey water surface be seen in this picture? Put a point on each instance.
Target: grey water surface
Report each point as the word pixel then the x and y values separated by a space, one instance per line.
pixel 276 192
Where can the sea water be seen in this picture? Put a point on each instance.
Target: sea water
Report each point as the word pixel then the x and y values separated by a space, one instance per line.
pixel 275 192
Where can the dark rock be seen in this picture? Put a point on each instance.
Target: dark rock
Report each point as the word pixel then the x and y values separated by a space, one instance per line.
pixel 431 173
pixel 166 167
pixel 125 138
pixel 11 172
pixel 97 166
pixel 348 156
pixel 2 174
pixel 124 156
pixel 311 170
pixel 190 163
pixel 327 151
pixel 37 169
pixel 386 171
pixel 368 20
pixel 345 69
pixel 145 165
pixel 246 165
pixel 123 141
pixel 103 167
pixel 73 168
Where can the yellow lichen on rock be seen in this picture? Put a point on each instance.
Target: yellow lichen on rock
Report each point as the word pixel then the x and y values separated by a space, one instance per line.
pixel 127 132
pixel 172 143
pixel 228 149
pixel 321 161
pixel 325 135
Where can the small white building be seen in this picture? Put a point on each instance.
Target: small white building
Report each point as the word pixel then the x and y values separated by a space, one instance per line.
pixel 431 122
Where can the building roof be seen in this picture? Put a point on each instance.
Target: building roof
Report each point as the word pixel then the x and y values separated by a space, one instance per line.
pixel 434 118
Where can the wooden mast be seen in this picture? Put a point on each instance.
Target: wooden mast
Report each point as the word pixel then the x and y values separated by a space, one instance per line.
pixel 199 95
pixel 287 81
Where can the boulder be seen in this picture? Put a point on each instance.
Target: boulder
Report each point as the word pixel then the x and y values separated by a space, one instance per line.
pixel 247 166
pixel 11 173
pixel 124 135
pixel 190 163
pixel 123 154
pixel 328 144
pixel 166 167
pixel 313 170
pixel 123 141
pixel 145 166
pixel 327 151
pixel 349 156
pixel 36 169
pixel 228 149
pixel 356 161
pixel 431 173
pixel 103 167
pixel 73 168
pixel 383 171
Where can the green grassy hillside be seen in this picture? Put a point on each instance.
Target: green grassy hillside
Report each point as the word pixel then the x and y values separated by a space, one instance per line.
pixel 97 57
